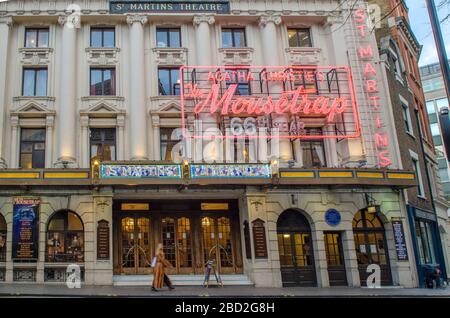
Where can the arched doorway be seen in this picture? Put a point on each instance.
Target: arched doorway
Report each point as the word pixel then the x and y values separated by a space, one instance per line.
pixel 296 250
pixel 65 238
pixel 371 246
pixel 3 231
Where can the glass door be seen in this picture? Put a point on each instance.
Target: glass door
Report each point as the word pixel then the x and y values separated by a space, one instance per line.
pixel 135 245
pixel 176 238
pixel 335 259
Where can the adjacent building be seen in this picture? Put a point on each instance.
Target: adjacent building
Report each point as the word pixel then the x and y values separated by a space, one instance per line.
pixel 255 134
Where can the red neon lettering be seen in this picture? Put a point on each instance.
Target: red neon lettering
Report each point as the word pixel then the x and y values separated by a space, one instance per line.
pixel 384 161
pixel 287 103
pixel 360 15
pixel 372 86
pixel 378 122
pixel 362 30
pixel 366 53
pixel 369 70
pixel 381 140
pixel 375 100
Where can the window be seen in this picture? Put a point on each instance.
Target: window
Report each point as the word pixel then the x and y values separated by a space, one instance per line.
pixel 3 230
pixel 169 81
pixel 233 37
pixel 313 150
pixel 425 242
pixel 36 38
pixel 103 37
pixel 32 148
pixel 442 102
pixel 239 77
pixel 34 82
pixel 435 129
pixel 416 167
pixel 430 107
pixel 299 38
pixel 65 238
pixel 103 82
pixel 169 137
pixel 168 37
pixel 103 143
pixel 406 118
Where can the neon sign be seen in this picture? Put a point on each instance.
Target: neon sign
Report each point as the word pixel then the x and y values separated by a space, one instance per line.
pixel 366 55
pixel 306 95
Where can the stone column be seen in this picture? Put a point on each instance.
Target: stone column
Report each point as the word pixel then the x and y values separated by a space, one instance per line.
pixel 204 58
pixel 66 116
pixel 5 26
pixel 351 262
pixel 85 146
pixel 120 137
pixel 138 117
pixel 156 138
pixel 320 259
pixel 15 135
pixel 270 48
pixel 49 123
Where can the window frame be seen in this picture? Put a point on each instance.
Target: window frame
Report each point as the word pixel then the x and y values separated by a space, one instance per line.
pixel 32 142
pixel 103 142
pixel 167 31
pixel 65 232
pixel 297 30
pixel 167 142
pixel 311 141
pixel 173 89
pixel 37 30
pixel 36 70
pixel 113 88
pixel 102 30
pixel 234 31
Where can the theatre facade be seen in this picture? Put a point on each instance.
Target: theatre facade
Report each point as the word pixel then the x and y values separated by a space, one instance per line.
pixel 254 134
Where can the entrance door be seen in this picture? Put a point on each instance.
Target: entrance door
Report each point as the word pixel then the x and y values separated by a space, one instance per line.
pixel 135 245
pixel 217 243
pixel 371 247
pixel 335 259
pixel 296 250
pixel 177 243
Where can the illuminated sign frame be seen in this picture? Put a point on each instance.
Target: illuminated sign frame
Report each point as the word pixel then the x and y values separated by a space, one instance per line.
pixel 299 101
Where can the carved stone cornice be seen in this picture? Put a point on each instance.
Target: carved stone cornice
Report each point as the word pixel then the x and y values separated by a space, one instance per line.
pixel 6 20
pixel 272 18
pixel 72 21
pixel 137 18
pixel 207 18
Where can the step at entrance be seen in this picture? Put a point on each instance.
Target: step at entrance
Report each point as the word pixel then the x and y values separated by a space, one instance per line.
pixel 181 280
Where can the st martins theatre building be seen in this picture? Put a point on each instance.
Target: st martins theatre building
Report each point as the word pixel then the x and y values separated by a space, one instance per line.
pixel 256 134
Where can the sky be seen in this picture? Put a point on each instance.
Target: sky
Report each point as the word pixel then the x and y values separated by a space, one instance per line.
pixel 420 24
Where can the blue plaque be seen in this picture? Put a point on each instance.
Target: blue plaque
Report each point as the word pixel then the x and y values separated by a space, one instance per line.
pixel 333 217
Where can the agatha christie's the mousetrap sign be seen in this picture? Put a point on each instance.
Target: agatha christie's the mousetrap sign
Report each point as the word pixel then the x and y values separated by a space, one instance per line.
pixel 270 102
pixel 25 229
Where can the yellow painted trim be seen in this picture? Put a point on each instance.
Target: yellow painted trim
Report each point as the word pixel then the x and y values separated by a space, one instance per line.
pixel 135 206
pixel 408 176
pixel 19 175
pixel 214 206
pixel 335 174
pixel 297 174
pixel 66 175
pixel 374 175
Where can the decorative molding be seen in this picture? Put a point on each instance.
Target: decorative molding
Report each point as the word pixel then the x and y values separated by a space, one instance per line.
pixel 33 106
pixel 6 20
pixel 272 18
pixel 236 56
pixel 136 18
pixel 102 107
pixel 170 56
pixel 303 55
pixel 203 18
pixel 35 56
pixel 103 56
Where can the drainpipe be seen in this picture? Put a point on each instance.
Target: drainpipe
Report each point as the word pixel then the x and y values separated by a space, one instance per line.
pixel 437 232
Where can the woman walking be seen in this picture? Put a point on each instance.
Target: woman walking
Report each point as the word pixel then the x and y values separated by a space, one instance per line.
pixel 159 276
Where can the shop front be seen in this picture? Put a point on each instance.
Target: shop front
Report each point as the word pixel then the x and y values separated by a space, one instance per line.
pixel 192 232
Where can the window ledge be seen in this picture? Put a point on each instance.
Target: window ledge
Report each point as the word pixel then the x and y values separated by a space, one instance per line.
pixel 36 98
pixel 170 49
pixel 102 49
pixel 236 49
pixel 410 134
pixel 422 197
pixel 103 97
pixel 59 264
pixel 36 49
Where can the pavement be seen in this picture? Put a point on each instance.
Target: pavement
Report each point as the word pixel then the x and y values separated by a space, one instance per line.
pixel 50 290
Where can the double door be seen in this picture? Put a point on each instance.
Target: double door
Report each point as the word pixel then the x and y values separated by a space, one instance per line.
pixel 188 243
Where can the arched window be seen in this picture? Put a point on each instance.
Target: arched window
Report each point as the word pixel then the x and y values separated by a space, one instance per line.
pixel 395 58
pixel 3 230
pixel 65 238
